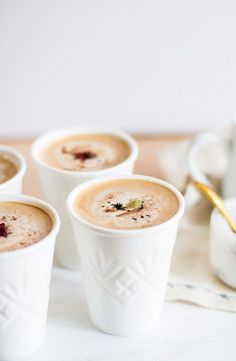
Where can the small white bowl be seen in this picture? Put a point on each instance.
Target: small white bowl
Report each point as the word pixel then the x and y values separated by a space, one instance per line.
pixel 223 245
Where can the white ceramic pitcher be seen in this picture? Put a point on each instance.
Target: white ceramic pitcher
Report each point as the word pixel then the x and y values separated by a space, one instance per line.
pixel 229 175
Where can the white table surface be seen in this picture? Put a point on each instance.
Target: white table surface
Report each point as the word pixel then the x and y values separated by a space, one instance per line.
pixel 187 332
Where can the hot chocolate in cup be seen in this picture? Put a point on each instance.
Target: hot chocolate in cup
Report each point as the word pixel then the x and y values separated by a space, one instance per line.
pixel 125 228
pixel 22 225
pixel 86 152
pixel 28 227
pixel 126 204
pixel 69 157
pixel 12 170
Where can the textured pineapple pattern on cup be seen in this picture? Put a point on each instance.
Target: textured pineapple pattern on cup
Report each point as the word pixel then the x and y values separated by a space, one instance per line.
pixel 125 270
pixel 24 285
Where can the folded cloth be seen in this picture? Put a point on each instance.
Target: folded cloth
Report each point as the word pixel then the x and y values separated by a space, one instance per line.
pixel 191 277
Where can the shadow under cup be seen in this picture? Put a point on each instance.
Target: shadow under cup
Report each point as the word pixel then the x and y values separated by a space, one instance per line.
pixel 58 183
pixel 125 271
pixel 24 288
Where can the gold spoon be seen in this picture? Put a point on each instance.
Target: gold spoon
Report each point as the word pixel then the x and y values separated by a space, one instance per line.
pixel 217 201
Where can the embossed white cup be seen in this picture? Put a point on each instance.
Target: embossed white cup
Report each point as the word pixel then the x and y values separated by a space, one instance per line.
pixel 125 271
pixel 223 245
pixel 13 185
pixel 24 289
pixel 57 184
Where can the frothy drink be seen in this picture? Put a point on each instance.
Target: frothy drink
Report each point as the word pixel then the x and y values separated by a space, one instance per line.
pixel 7 169
pixel 22 225
pixel 86 152
pixel 126 204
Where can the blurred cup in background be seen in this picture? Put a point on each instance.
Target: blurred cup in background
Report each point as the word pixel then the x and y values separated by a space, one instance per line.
pixel 57 183
pixel 13 167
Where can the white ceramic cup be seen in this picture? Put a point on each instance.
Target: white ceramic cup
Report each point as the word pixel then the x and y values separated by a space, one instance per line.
pixel 13 185
pixel 223 245
pixel 24 289
pixel 218 159
pixel 125 271
pixel 58 183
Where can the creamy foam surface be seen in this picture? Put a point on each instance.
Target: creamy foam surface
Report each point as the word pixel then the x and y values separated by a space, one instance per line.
pixel 126 204
pixel 22 225
pixel 7 168
pixel 86 152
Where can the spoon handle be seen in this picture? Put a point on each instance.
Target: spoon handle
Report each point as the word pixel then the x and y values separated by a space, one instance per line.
pixel 217 202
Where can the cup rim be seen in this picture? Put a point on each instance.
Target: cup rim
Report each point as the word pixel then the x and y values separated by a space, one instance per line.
pixel 36 202
pixel 22 166
pixel 47 137
pixel 72 195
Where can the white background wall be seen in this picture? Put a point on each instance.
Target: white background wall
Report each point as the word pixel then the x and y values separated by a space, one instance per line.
pixel 143 65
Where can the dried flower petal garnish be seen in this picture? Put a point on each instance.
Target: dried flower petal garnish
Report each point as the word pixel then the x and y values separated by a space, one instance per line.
pixel 77 154
pixel 84 155
pixel 3 230
pixel 119 206
pixel 134 204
